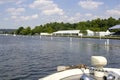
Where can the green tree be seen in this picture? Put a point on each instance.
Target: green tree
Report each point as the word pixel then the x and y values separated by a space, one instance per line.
pixel 18 31
pixel 37 29
pixel 111 22
pixel 26 31
pixel 95 25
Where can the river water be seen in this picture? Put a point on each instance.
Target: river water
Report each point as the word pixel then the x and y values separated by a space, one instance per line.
pixel 33 57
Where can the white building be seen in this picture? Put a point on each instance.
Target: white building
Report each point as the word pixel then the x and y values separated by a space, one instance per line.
pixel 45 34
pixel 67 32
pixel 80 34
pixel 90 33
pixel 102 33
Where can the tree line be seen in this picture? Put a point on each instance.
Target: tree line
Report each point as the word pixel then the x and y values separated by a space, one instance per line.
pixel 94 25
pixel 7 31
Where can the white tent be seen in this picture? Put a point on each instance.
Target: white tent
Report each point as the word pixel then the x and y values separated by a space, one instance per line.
pixel 115 27
pixel 90 33
pixel 69 32
pixel 103 33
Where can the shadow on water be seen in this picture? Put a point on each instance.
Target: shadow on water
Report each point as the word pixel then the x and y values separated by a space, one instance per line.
pixel 33 57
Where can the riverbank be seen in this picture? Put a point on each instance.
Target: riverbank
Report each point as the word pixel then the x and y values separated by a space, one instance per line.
pixel 103 37
pixel 95 37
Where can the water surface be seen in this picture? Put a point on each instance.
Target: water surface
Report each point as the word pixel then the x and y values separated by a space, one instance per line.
pixel 32 57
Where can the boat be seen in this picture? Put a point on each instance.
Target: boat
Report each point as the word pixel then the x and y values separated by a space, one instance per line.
pixel 83 72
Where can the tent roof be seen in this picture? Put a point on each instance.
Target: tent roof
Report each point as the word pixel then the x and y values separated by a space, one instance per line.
pixel 115 27
pixel 67 31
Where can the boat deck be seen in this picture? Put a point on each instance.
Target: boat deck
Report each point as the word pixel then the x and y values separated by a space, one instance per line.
pixel 77 77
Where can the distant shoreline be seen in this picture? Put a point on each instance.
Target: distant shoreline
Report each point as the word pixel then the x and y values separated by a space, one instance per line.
pixel 95 37
pixel 103 37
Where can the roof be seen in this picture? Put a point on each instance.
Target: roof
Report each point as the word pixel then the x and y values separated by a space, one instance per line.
pixel 89 31
pixel 45 34
pixel 67 31
pixel 115 27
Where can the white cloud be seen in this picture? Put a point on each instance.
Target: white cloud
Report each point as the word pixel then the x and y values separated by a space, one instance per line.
pixel 74 18
pixel 19 2
pixel 1 2
pixel 89 4
pixel 47 7
pixel 6 19
pixel 35 16
pixel 15 11
pixel 6 1
pixel 24 18
pixel 14 17
pixel 88 15
pixel 113 12
pixel 99 16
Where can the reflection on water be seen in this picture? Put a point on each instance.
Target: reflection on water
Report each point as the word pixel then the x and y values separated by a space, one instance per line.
pixel 30 58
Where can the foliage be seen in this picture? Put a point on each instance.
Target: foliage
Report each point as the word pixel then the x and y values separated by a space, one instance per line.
pixel 94 25
pixel 18 31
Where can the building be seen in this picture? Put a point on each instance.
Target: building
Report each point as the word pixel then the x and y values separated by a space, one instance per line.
pixel 116 27
pixel 90 33
pixel 45 34
pixel 80 34
pixel 102 33
pixel 67 32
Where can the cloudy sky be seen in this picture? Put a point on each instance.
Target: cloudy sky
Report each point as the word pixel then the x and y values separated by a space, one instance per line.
pixel 16 13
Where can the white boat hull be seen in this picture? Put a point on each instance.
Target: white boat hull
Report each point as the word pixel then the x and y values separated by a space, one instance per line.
pixel 83 72
pixel 71 72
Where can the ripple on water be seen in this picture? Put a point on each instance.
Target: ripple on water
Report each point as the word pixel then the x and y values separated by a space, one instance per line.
pixel 31 58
